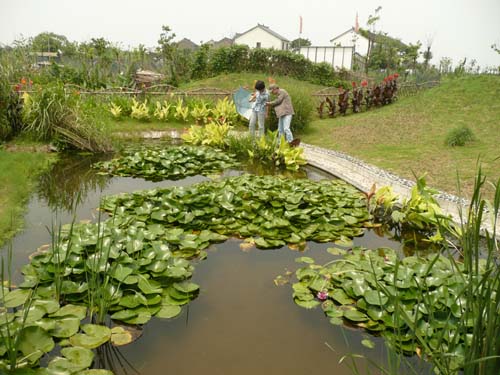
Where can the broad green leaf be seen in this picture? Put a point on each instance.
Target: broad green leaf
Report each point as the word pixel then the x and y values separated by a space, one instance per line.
pixel 35 342
pixel 168 311
pixel 94 336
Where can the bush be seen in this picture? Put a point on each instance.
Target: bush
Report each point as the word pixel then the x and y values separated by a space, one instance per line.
pixel 459 136
pixel 53 114
pixel 10 109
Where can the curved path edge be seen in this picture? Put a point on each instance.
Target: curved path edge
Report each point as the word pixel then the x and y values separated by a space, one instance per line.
pixel 363 176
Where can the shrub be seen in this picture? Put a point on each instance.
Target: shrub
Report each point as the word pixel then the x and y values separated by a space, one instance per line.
pixel 52 114
pixel 10 108
pixel 459 136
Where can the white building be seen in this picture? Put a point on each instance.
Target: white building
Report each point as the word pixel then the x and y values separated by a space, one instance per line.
pixel 351 38
pixel 262 36
pixel 346 50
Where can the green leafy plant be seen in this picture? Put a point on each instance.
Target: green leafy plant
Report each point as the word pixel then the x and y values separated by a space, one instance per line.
pixel 225 112
pixel 140 111
pixel 421 211
pixel 181 112
pixel 201 113
pixel 162 110
pixel 213 134
pixel 116 111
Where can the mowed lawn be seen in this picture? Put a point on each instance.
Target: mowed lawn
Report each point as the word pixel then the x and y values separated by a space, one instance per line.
pixel 408 137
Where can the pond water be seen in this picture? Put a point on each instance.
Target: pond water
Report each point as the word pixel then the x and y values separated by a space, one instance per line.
pixel 241 322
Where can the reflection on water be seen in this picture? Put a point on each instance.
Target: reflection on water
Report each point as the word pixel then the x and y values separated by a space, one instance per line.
pixel 69 181
pixel 241 323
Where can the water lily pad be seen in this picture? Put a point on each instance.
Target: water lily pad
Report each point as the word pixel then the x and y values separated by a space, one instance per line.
pixel 133 300
pixel 355 315
pixel 376 297
pixel 168 311
pixel 94 336
pixel 75 359
pixel 65 326
pixel 16 298
pixel 143 316
pixel 35 342
pixel 120 336
pixel 307 260
pixel 76 310
pixel 120 272
pixel 124 314
pixel 307 304
pixel 186 287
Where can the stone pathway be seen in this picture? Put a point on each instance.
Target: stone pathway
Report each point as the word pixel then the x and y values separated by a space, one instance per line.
pixel 363 176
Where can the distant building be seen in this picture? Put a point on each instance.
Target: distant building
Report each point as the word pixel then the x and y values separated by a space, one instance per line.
pixel 262 36
pixel 348 49
pixel 45 58
pixel 224 42
pixel 187 44
pixel 360 40
pixel 351 38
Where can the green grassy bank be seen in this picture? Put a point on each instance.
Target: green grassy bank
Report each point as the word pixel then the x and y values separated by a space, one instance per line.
pixel 409 136
pixel 19 171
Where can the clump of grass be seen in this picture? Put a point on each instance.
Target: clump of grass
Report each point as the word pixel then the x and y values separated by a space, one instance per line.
pixel 459 136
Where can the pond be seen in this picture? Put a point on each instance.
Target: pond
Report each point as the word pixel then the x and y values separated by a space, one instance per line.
pixel 241 322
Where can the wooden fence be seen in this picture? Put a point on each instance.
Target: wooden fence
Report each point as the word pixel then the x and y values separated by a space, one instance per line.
pixel 156 90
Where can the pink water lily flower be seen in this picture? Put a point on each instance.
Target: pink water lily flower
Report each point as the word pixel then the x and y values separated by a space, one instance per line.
pixel 322 295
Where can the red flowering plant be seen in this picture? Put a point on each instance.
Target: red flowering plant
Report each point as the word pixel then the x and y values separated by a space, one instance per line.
pixel 364 83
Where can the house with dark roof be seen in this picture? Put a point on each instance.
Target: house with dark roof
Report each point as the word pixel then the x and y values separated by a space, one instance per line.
pixel 262 36
pixel 187 44
pixel 224 42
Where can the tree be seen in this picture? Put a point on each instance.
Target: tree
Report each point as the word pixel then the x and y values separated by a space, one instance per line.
pixel 445 65
pixel 410 55
pixel 299 42
pixel 165 44
pixel 49 42
pixel 427 54
pixel 99 45
pixel 372 20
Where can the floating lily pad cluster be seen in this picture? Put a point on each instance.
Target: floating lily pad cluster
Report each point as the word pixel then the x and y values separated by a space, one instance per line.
pixel 374 290
pixel 137 264
pixel 271 210
pixel 136 269
pixel 169 163
pixel 32 326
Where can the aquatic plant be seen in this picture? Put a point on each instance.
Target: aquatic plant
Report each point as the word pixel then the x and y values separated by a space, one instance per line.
pixel 439 307
pixel 171 163
pixel 272 211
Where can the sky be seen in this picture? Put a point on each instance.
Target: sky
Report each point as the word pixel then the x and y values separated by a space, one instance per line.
pixel 455 28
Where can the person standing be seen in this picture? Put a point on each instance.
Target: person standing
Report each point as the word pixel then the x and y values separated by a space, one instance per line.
pixel 284 111
pixel 259 111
